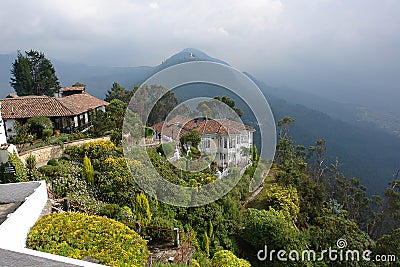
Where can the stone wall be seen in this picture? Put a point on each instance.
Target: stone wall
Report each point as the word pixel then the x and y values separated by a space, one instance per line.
pixel 44 154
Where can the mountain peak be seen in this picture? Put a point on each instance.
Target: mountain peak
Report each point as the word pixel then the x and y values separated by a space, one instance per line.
pixel 187 55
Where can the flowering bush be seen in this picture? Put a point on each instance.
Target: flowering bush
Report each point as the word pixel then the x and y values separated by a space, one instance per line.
pixel 82 236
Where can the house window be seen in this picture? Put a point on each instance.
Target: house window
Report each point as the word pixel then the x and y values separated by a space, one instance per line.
pixel 231 142
pixel 205 143
pixel 225 142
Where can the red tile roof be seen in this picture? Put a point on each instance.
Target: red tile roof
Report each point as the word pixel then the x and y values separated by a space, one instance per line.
pixel 34 106
pixel 180 125
pixel 80 103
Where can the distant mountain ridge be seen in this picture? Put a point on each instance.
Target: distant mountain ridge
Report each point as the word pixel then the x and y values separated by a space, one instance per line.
pixel 365 151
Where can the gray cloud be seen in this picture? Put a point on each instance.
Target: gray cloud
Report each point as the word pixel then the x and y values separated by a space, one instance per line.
pixel 322 46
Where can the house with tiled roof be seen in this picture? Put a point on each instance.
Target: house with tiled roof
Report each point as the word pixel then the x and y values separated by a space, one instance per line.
pixel 70 112
pixel 228 140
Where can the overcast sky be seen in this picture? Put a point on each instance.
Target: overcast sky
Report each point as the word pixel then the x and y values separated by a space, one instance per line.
pixel 331 47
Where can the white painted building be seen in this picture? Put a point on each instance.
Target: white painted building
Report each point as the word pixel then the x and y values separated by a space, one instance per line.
pixel 73 112
pixel 228 140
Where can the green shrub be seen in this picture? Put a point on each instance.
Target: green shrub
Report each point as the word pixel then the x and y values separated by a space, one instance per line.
pixel 64 179
pixel 160 222
pixel 39 124
pixel 166 149
pixel 193 137
pixel 20 174
pixel 148 132
pixel 80 235
pixel 46 133
pixel 194 263
pixel 48 170
pixel 98 151
pixel 109 210
pixel 75 152
pixel 225 258
pixel 52 162
pixel 195 153
pixel 125 214
pixel 30 162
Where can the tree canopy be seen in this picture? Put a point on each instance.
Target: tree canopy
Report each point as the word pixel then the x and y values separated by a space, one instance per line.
pixel 119 92
pixel 33 74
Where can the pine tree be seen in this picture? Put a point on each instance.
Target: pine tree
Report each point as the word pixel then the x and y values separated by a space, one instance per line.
pixel 87 171
pixel 143 212
pixel 33 74
pixel 119 92
pixel 254 157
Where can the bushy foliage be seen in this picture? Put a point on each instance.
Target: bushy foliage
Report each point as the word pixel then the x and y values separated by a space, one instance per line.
pixel 331 227
pixel 166 149
pixel 79 236
pixel 225 258
pixel 162 223
pixel 193 138
pixel 389 245
pixel 52 162
pixel 97 151
pixel 148 132
pixel 23 135
pixel 272 228
pixel 30 163
pixel 64 179
pixel 20 174
pixel 115 181
pixel 53 140
pixel 119 92
pixel 46 133
pixel 39 124
pixel 281 198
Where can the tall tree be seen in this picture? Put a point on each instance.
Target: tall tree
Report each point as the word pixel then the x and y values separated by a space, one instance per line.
pixel 33 74
pixel 119 92
pixel 153 100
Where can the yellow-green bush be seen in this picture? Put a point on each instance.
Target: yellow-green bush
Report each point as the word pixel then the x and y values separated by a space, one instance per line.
pixel 225 258
pixel 80 235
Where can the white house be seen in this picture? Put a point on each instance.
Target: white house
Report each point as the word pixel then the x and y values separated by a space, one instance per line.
pixel 228 140
pixel 72 112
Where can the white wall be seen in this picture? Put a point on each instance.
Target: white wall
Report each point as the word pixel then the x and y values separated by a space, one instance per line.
pixel 14 230
pixel 9 124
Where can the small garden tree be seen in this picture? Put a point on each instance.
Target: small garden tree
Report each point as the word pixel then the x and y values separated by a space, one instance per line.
pixel 143 212
pixel 193 137
pixel 87 171
pixel 41 126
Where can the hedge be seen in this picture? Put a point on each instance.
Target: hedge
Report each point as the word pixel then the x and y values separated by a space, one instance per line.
pixel 83 236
